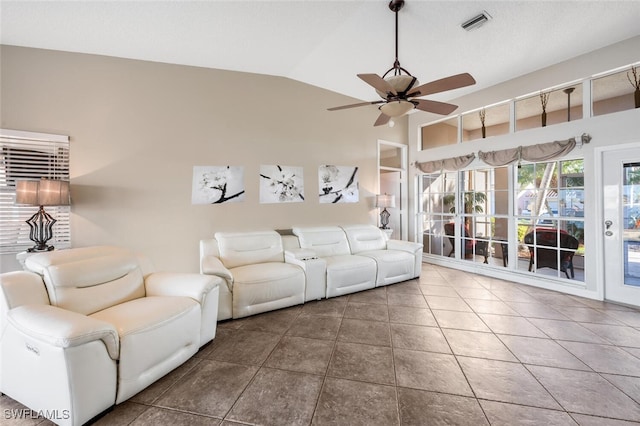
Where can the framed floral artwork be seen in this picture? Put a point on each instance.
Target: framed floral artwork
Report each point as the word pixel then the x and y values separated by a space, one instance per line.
pixel 217 184
pixel 281 184
pixel 338 184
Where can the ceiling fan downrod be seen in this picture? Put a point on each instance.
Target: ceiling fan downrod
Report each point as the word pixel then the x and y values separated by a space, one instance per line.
pixel 395 6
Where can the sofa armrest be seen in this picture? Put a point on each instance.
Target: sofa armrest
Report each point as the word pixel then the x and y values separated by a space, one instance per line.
pixel 299 254
pixel 195 286
pixel 315 271
pixel 212 265
pixel 204 289
pixel 22 288
pixel 61 328
pixel 408 246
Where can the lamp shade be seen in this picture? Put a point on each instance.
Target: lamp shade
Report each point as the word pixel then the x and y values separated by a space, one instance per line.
pixel 385 201
pixel 44 192
pixel 396 108
pixel 401 83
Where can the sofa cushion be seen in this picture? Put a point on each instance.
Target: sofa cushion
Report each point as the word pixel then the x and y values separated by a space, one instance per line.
pixel 87 280
pixel 264 272
pixel 156 335
pixel 348 262
pixel 325 241
pixel 349 273
pixel 247 248
pixel 365 238
pixel 393 265
pixel 265 287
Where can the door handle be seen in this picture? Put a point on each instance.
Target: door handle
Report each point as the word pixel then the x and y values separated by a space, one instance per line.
pixel 607 224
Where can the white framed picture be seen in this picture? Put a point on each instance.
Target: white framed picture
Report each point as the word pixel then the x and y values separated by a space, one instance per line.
pixel 281 184
pixel 217 184
pixel 338 184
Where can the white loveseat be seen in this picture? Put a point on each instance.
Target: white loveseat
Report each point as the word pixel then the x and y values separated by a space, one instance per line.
pixel 88 328
pixel 265 271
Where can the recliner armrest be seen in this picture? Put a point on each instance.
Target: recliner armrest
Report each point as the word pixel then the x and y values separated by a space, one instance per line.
pixel 300 254
pixel 212 265
pixel 408 246
pixel 61 328
pixel 22 288
pixel 195 286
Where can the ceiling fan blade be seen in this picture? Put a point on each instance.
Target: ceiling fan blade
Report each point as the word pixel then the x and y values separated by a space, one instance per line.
pixel 444 84
pixel 436 107
pixel 382 120
pixel 378 83
pixel 354 105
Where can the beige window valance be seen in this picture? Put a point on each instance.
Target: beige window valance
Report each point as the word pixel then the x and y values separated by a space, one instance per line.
pixel 540 152
pixel 449 164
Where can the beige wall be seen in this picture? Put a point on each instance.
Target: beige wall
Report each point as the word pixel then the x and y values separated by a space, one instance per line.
pixel 137 129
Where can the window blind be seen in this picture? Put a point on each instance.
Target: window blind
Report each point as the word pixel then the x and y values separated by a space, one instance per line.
pixel 32 156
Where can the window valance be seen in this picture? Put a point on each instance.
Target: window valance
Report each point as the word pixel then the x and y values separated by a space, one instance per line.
pixel 450 164
pixel 539 152
pixel 533 153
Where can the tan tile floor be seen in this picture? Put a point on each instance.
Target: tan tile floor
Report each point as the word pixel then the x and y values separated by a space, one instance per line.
pixel 449 348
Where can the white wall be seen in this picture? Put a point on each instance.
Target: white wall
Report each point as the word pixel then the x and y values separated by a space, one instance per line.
pixel 137 129
pixel 606 130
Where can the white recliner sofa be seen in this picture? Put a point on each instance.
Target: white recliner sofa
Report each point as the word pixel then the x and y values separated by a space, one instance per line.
pixel 264 271
pixel 257 278
pixel 88 328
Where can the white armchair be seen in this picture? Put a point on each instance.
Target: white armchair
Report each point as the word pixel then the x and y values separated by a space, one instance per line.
pixel 89 328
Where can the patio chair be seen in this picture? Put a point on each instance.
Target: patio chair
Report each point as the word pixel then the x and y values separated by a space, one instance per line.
pixel 481 247
pixel 548 257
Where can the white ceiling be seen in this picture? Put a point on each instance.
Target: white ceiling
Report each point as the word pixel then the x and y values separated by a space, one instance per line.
pixel 326 43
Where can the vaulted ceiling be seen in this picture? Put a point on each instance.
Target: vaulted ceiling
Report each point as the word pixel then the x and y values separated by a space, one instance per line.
pixel 326 43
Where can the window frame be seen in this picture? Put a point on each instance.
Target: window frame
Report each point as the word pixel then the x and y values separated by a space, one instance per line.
pixel 508 214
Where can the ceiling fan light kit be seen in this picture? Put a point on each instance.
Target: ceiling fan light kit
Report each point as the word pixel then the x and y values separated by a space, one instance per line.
pixel 396 108
pixel 399 90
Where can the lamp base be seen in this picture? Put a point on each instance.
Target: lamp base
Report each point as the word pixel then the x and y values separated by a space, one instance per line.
pixel 41 225
pixel 39 249
pixel 384 218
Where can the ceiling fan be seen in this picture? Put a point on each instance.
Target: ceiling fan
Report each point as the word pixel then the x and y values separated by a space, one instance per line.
pixel 399 91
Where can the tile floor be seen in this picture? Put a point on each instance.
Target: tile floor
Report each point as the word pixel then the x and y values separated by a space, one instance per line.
pixel 450 348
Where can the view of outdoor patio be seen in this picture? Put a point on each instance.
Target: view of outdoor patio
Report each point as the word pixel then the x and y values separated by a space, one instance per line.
pixel 543 217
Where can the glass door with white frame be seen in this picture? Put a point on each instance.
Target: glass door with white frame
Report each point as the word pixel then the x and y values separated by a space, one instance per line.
pixel 392 180
pixel 621 178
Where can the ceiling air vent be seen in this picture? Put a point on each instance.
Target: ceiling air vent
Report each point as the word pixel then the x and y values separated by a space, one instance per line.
pixel 476 21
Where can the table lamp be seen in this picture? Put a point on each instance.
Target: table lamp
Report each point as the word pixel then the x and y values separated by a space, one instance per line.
pixel 43 192
pixel 383 201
